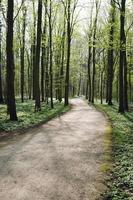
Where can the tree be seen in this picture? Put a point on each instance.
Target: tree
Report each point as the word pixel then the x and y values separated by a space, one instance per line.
pixel 33 49
pixel 11 105
pixel 43 57
pixel 111 53
pixel 51 54
pixel 38 47
pixel 94 51
pixel 22 50
pixel 89 81
pixel 122 63
pixel 1 92
pixel 68 53
pixel 62 58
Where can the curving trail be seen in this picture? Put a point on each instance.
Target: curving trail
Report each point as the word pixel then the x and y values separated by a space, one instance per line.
pixel 60 160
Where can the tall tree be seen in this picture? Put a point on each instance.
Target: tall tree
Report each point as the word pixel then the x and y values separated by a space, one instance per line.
pixel 38 47
pixel 43 56
pixel 62 58
pixel 23 52
pixel 11 105
pixel 33 49
pixel 111 53
pixel 89 81
pixel 94 51
pixel 51 54
pixel 122 56
pixel 68 52
pixel 1 92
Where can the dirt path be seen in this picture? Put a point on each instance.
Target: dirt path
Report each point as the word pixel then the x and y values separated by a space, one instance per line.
pixel 60 160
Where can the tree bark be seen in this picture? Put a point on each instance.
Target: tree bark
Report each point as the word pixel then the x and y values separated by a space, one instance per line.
pixel 68 54
pixel 11 105
pixel 1 89
pixel 38 47
pixel 34 51
pixel 23 54
pixel 125 82
pixel 122 56
pixel 51 56
pixel 89 72
pixel 111 53
pixel 62 62
pixel 43 59
pixel 94 54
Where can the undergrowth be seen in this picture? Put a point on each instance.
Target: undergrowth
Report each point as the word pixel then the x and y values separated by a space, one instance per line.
pixel 121 178
pixel 27 117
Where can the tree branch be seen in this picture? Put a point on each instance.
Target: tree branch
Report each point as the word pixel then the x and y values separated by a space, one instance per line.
pixel 19 10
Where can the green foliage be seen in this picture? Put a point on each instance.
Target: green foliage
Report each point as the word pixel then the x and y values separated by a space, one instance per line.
pixel 27 117
pixel 121 184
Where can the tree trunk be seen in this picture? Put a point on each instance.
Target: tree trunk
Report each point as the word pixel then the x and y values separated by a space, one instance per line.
pixel 43 59
pixel 51 56
pixel 42 73
pixel 79 86
pixel 122 57
pixel 47 76
pixel 62 62
pixel 23 54
pixel 29 59
pixel 38 47
pixel 125 82
pixel 1 91
pixel 111 53
pixel 130 81
pixel 89 73
pixel 94 54
pixel 101 91
pixel 34 51
pixel 68 54
pixel 11 105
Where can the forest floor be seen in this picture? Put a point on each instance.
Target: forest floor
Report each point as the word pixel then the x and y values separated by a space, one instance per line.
pixel 27 117
pixel 121 174
pixel 64 159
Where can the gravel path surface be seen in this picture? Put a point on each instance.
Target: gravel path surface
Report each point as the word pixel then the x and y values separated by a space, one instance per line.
pixel 60 160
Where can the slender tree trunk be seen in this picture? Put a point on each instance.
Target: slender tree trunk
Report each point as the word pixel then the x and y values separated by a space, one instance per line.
pixel 94 54
pixel 47 76
pixel 111 53
pixel 23 54
pixel 38 47
pixel 79 86
pixel 122 56
pixel 94 70
pixel 87 89
pixel 43 59
pixel 51 55
pixel 42 73
pixel 125 82
pixel 117 88
pixel 62 62
pixel 89 82
pixel 68 54
pixel 130 81
pixel 34 51
pixel 46 73
pixel 1 91
pixel 89 73
pixel 29 75
pixel 11 105
pixel 101 91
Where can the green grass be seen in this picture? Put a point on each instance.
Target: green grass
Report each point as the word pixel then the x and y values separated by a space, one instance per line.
pixel 27 117
pixel 121 183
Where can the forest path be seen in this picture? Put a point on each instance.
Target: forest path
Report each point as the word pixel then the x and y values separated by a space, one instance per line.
pixel 60 160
